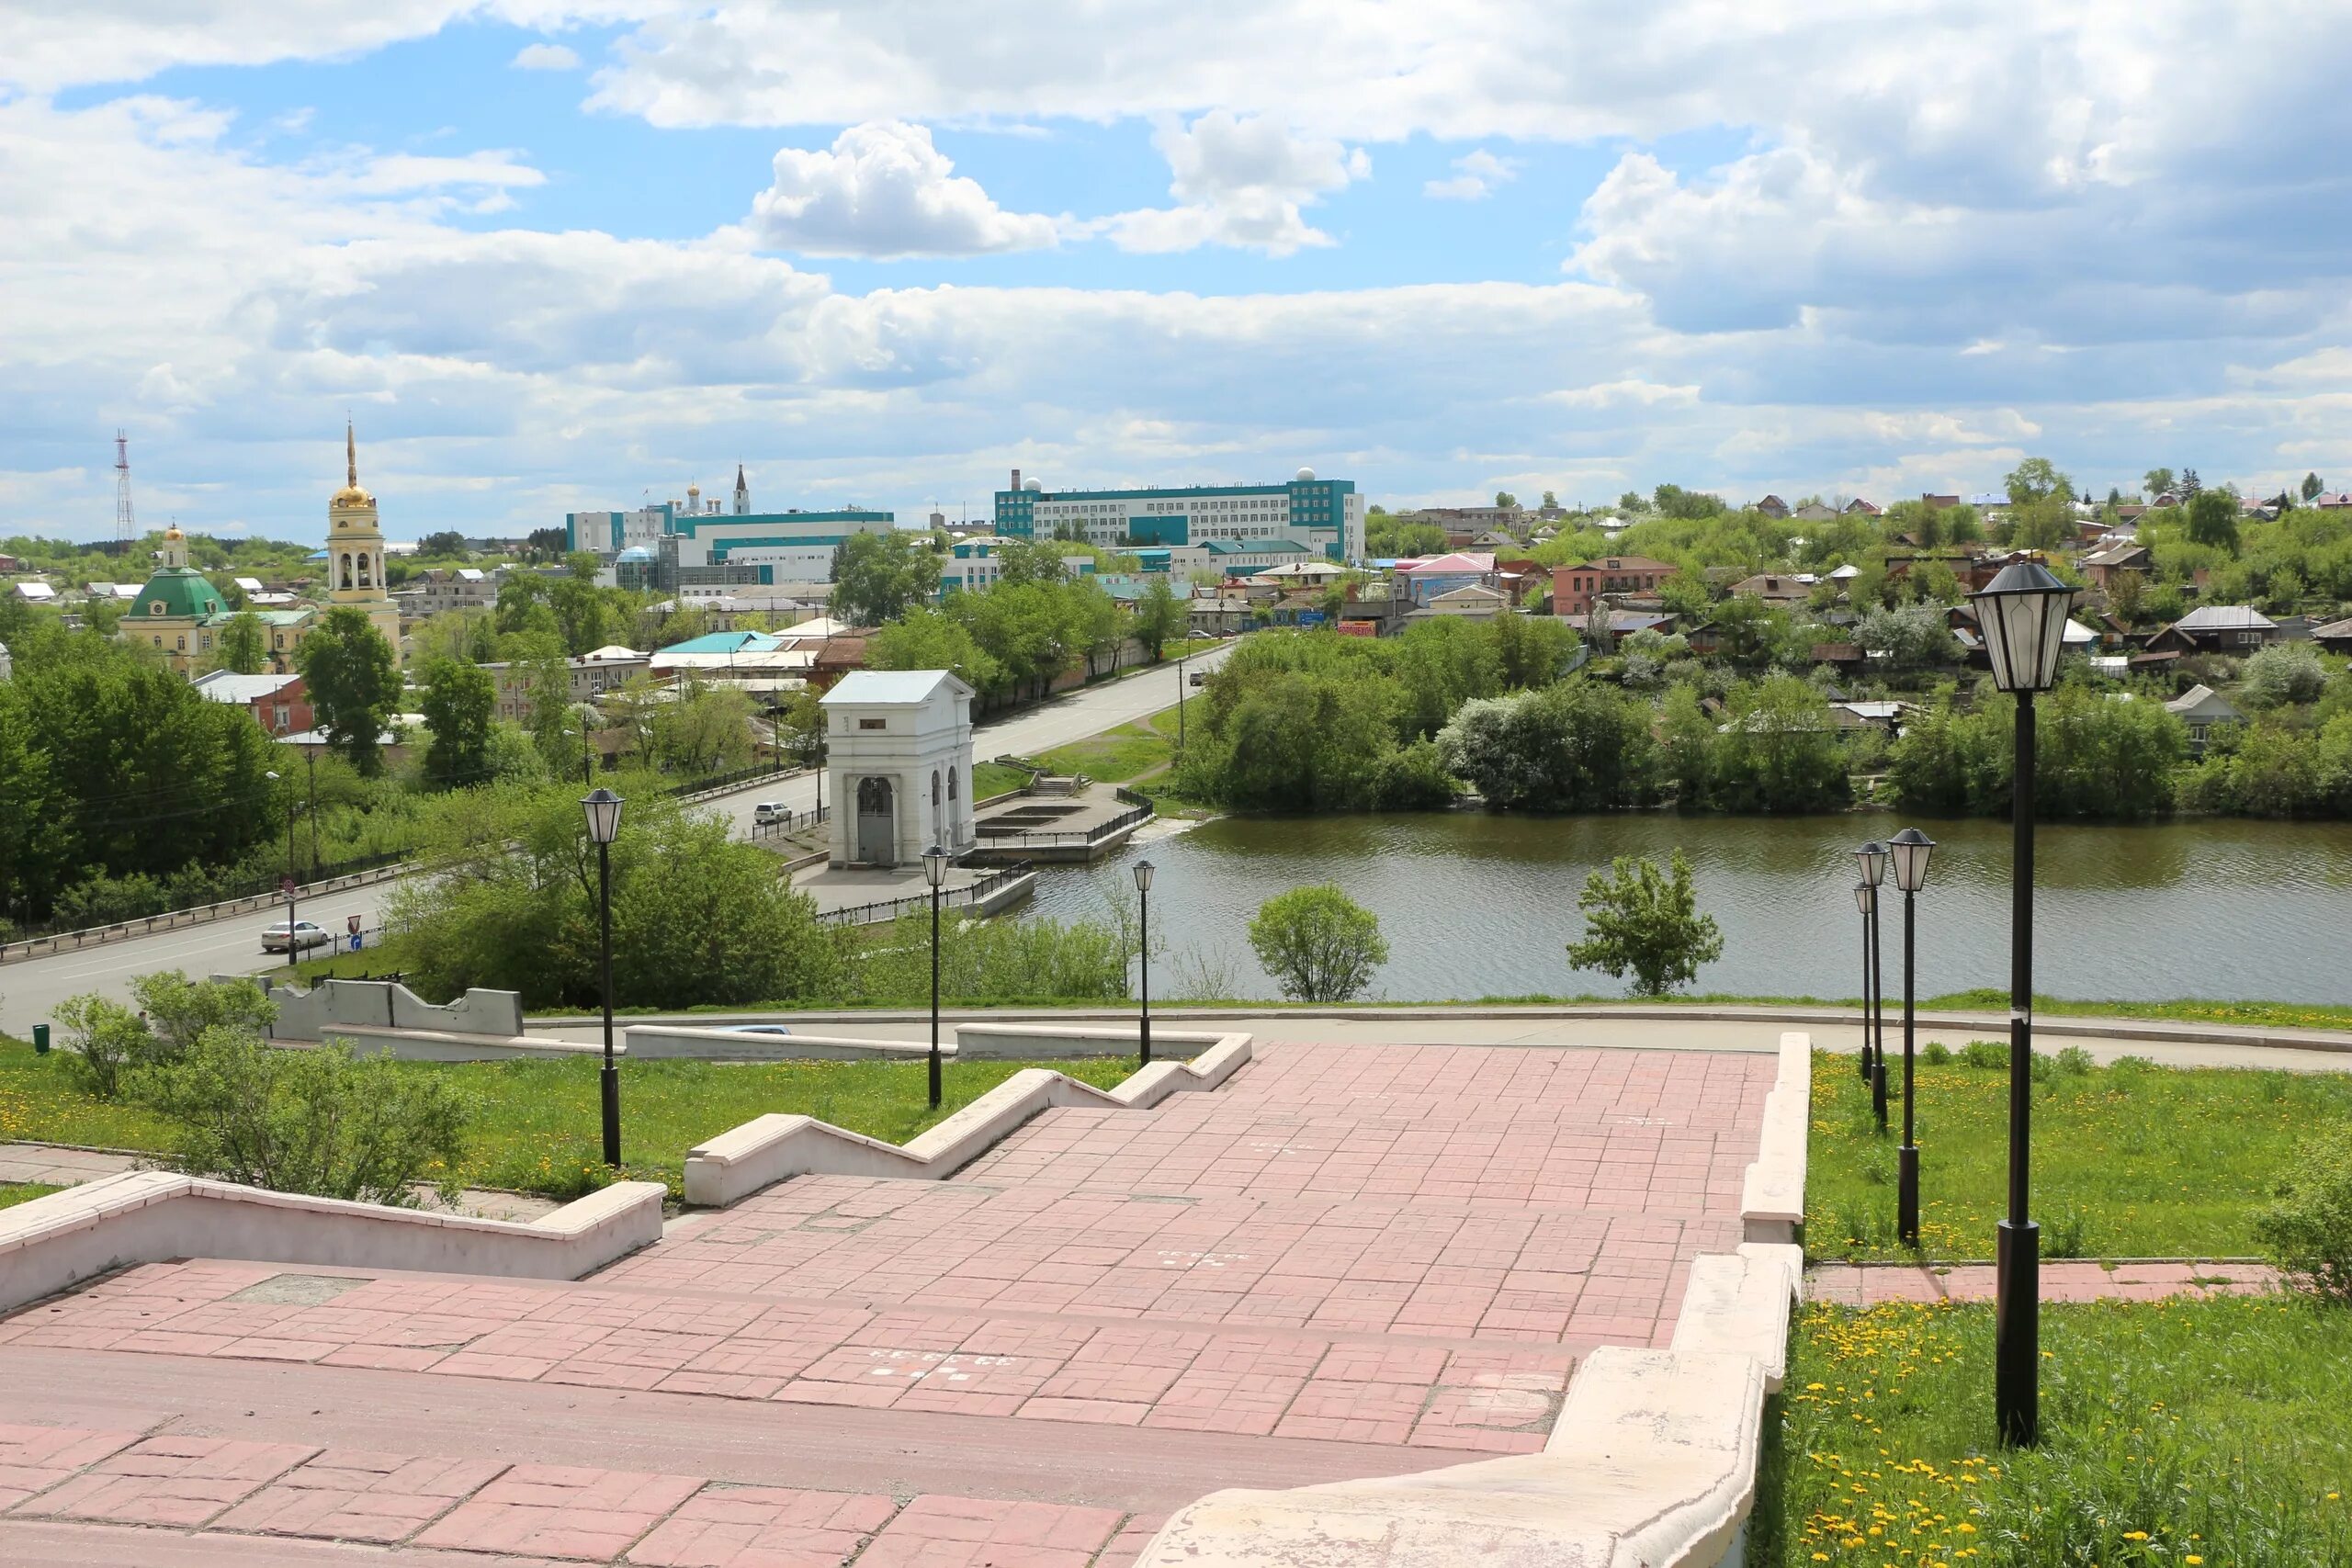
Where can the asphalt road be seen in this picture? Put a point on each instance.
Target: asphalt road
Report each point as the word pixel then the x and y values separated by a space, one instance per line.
pixel 31 988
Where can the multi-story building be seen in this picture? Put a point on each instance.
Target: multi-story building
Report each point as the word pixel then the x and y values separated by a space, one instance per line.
pixel 1573 588
pixel 971 564
pixel 1324 515
pixel 671 545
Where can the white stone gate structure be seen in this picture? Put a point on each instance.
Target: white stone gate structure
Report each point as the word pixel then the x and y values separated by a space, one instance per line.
pixel 899 748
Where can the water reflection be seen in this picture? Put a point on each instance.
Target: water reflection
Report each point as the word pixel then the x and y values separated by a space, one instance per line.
pixel 1476 905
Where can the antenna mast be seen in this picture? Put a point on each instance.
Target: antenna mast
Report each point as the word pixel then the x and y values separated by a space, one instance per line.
pixel 126 527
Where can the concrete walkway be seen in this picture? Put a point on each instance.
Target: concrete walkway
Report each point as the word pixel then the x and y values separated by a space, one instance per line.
pixel 1348 1261
pixel 1868 1285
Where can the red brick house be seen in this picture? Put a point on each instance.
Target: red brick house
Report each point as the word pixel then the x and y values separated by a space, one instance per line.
pixel 280 704
pixel 1573 588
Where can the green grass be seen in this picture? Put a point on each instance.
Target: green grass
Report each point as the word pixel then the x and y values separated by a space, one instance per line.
pixel 535 1127
pixel 996 778
pixel 2184 1432
pixel 2130 1160
pixel 15 1192
pixel 1113 757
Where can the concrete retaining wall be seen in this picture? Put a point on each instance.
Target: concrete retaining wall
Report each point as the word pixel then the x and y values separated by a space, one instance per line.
pixel 1771 1203
pixel 338 1007
pixel 773 1148
pixel 148 1216
pixel 660 1041
pixel 1047 1041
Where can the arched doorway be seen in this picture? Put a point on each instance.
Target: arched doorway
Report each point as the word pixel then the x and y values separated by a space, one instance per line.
pixel 878 822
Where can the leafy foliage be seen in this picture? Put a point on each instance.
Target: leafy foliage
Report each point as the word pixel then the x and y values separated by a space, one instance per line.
pixel 354 684
pixel 458 700
pixel 1644 923
pixel 1319 944
pixel 880 576
pixel 2308 1227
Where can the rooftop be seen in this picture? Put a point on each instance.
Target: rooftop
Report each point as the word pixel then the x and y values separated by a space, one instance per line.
pixel 889 688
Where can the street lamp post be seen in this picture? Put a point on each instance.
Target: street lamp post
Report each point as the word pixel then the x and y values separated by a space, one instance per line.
pixel 604 810
pixel 1143 950
pixel 293 948
pixel 1872 859
pixel 2022 613
pixel 935 871
pixel 1910 850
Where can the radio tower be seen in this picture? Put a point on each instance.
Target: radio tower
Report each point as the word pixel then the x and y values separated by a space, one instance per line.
pixel 126 527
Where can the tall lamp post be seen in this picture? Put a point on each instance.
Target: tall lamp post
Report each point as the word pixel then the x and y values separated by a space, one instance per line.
pixel 935 871
pixel 1143 949
pixel 2022 613
pixel 604 810
pixel 1910 850
pixel 1872 860
pixel 293 948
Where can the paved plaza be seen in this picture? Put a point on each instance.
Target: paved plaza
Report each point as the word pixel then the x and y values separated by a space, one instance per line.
pixel 1349 1262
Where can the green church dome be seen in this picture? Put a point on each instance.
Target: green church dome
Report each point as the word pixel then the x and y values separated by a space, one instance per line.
pixel 179 591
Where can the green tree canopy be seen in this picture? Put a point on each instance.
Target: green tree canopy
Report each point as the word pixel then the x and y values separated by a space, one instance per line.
pixel 354 684
pixel 878 577
pixel 241 646
pixel 1642 923
pixel 458 702
pixel 1319 944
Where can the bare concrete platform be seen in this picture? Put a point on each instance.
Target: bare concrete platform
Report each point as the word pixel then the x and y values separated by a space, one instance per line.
pixel 865 895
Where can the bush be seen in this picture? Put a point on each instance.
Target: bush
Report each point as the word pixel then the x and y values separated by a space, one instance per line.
pixel 2308 1229
pixel 1319 944
pixel 322 1122
pixel 1935 1052
pixel 1645 923
pixel 1984 1054
pixel 103 1041
pixel 2284 673
pixel 2074 1062
pixel 1033 960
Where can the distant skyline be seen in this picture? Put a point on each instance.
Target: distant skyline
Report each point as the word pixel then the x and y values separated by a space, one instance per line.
pixel 555 256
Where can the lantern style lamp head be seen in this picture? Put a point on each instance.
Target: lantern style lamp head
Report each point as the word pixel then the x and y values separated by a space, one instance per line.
pixel 604 810
pixel 1144 869
pixel 1864 897
pixel 2022 613
pixel 934 865
pixel 1872 860
pixel 1910 850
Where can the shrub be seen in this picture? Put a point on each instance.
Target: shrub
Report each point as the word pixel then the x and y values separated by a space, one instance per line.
pixel 1645 923
pixel 322 1120
pixel 178 1009
pixel 1935 1052
pixel 2307 1229
pixel 103 1041
pixel 2074 1062
pixel 2284 673
pixel 1984 1054
pixel 1319 944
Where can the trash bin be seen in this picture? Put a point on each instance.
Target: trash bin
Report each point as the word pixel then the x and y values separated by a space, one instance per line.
pixel 40 1039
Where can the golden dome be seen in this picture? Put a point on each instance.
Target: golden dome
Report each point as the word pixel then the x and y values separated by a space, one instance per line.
pixel 173 534
pixel 352 495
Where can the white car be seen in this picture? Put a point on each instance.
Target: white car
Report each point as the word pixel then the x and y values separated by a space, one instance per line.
pixel 306 935
pixel 769 811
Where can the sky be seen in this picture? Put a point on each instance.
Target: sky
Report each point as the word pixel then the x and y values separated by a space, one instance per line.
pixel 569 255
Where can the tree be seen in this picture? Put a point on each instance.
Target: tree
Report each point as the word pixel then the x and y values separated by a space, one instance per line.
pixel 1505 501
pixel 934 639
pixel 448 542
pixel 2127 596
pixel 880 576
pixel 458 702
pixel 1644 923
pixel 2312 486
pixel 2037 478
pixel 1910 637
pixel 2282 673
pixel 1030 560
pixel 2156 482
pixel 711 732
pixel 355 686
pixel 241 644
pixel 2190 485
pixel 2213 520
pixel 1319 944
pixel 546 543
pixel 1577 746
pixel 1159 615
pixel 1550 501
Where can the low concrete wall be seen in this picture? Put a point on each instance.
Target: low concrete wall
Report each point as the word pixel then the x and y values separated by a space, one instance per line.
pixel 660 1041
pixel 1651 1464
pixel 148 1216
pixel 443 1045
pixel 773 1148
pixel 1771 1203
pixel 1047 1041
pixel 338 1007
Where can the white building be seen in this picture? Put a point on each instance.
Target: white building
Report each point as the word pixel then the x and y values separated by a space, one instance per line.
pixel 1324 515
pixel 899 748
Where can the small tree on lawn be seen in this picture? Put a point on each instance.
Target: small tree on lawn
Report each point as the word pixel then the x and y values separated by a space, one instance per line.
pixel 1644 923
pixel 1319 944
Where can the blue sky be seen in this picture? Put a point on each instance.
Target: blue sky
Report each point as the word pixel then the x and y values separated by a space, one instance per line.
pixel 556 255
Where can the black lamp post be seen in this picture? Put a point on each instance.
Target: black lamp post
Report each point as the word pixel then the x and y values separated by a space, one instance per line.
pixel 1910 850
pixel 935 871
pixel 1143 949
pixel 2022 613
pixel 1871 857
pixel 604 810
pixel 293 948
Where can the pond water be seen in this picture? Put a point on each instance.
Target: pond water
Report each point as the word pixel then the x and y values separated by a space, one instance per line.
pixel 1479 905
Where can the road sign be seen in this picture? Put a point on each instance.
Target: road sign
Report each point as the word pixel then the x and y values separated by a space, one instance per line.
pixel 351 924
pixel 286 884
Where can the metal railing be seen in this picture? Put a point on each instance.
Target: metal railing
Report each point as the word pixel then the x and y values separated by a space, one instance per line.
pixel 891 909
pixel 790 822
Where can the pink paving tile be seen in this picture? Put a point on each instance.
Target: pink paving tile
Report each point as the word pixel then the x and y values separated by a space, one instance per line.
pixel 352 1495
pixel 168 1481
pixel 971 1533
pixel 1128 1544
pixel 558 1511
pixel 33 1459
pixel 763 1527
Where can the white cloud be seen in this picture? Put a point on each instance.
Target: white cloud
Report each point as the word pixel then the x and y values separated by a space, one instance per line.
pixel 546 57
pixel 1477 176
pixel 883 189
pixel 1238 182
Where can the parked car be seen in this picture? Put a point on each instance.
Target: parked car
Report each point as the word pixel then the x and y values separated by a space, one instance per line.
pixel 1199 676
pixel 759 1029
pixel 306 935
pixel 769 811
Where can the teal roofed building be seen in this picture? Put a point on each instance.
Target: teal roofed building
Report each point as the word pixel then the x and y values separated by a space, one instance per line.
pixel 1324 516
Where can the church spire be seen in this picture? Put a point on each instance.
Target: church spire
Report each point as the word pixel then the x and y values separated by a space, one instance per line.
pixel 350 456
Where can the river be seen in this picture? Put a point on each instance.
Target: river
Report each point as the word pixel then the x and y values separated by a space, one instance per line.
pixel 1476 904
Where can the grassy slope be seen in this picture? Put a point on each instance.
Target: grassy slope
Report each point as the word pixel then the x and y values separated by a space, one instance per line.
pixel 536 1127
pixel 1113 757
pixel 2128 1162
pixel 2181 1432
pixel 15 1192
